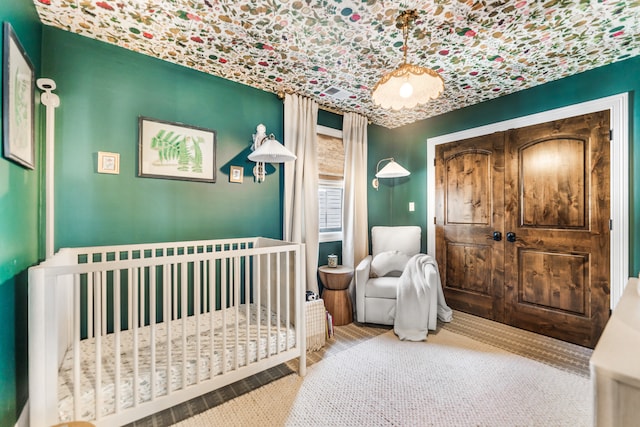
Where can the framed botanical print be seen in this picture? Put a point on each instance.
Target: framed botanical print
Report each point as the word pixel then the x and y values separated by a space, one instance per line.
pixel 17 102
pixel 176 151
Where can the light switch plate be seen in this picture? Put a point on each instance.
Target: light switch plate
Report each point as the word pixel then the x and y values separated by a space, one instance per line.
pixel 412 206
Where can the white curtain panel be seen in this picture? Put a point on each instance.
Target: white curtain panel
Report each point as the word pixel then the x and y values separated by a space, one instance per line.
pixel 301 180
pixel 355 228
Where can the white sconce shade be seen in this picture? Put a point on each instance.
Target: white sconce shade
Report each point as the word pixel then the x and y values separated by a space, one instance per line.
pixel 266 149
pixel 271 151
pixel 390 170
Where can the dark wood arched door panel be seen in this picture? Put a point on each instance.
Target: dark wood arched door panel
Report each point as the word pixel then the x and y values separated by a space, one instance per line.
pixel 522 226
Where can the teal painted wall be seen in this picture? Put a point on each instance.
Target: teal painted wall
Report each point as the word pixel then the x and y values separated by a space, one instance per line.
pixel 330 120
pixel 103 89
pixel 408 143
pixel 389 204
pixel 19 242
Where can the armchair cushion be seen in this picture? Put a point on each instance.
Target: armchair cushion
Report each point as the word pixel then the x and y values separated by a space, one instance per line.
pixel 405 239
pixel 382 287
pixel 389 262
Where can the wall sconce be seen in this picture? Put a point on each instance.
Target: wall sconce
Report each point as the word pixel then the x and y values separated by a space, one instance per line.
pixel 390 170
pixel 266 149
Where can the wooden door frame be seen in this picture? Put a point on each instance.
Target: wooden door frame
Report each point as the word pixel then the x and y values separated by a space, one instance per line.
pixel 618 106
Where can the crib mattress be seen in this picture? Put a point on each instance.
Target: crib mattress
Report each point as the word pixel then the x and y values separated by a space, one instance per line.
pixel 226 354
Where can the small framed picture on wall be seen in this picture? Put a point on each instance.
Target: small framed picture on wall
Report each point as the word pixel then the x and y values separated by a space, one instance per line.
pixel 108 162
pixel 236 174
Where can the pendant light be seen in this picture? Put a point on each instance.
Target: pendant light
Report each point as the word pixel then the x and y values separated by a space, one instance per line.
pixel 408 85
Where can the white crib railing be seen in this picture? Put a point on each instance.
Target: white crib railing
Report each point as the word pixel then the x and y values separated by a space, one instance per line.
pixel 118 333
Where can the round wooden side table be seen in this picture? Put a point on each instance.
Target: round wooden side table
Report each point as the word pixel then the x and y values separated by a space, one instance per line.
pixel 336 298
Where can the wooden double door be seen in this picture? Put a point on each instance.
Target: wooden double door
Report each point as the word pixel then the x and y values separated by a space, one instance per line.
pixel 522 226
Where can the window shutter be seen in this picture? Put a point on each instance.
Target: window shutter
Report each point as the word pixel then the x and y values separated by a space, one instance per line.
pixel 330 206
pixel 330 157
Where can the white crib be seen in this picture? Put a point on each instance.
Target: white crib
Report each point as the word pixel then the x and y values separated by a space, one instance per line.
pixel 120 332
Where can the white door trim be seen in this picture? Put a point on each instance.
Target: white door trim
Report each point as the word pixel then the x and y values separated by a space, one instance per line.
pixel 618 105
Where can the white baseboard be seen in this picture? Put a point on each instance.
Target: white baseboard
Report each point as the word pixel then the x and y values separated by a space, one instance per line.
pixel 23 421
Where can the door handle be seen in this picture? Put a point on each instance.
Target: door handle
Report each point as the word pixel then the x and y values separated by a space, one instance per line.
pixel 511 236
pixel 497 236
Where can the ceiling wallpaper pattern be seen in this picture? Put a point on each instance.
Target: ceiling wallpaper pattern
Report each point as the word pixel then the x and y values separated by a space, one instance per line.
pixel 482 49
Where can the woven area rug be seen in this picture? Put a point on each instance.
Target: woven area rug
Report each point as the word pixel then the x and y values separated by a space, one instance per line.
pixel 560 354
pixel 449 380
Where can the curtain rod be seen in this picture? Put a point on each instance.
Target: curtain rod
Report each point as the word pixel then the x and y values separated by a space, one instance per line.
pixel 323 107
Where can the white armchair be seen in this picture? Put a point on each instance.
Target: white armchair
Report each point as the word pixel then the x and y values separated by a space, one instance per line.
pixel 376 276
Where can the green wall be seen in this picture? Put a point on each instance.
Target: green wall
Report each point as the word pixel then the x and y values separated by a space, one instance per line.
pixel 389 206
pixel 103 90
pixel 19 222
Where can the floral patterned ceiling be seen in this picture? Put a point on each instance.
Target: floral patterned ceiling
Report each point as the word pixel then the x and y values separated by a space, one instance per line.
pixel 336 50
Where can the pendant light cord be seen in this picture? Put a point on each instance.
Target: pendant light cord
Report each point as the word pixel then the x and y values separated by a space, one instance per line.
pixel 403 22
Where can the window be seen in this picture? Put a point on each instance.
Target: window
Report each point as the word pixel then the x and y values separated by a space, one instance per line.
pixel 330 183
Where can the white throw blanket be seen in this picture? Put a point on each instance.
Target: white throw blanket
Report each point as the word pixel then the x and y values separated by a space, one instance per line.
pixel 420 299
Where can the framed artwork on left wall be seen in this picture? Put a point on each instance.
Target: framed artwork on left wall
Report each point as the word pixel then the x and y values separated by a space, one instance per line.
pixel 17 101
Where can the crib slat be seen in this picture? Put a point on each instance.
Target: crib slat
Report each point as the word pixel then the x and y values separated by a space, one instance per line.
pixel 223 294
pixel 174 290
pixel 117 326
pixel 90 305
pixel 287 297
pixel 76 347
pixel 152 326
pixel 129 300
pixel 300 315
pixel 236 303
pixel 103 299
pixel 212 311
pixel 247 313
pixel 142 309
pixel 184 316
pixel 268 308
pixel 166 318
pixel 258 294
pixel 196 313
pixel 98 341
pixel 136 343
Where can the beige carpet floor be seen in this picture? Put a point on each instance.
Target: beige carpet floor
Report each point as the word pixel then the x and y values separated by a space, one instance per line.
pixel 450 380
